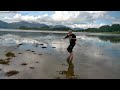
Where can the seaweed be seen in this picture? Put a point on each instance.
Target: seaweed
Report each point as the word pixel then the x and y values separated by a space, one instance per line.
pixel 10 54
pixel 10 73
pixel 7 58
pixel 6 62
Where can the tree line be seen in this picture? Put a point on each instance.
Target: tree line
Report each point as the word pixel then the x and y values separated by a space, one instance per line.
pixel 105 28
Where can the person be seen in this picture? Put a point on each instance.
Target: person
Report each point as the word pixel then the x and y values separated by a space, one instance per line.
pixel 72 39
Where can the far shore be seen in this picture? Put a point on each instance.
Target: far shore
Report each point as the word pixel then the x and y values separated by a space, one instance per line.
pixel 55 31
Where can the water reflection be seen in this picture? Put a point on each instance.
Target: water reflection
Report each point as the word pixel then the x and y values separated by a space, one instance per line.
pixel 112 39
pixel 70 71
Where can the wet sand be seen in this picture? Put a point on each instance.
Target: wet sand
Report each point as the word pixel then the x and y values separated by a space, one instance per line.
pixel 30 64
pixel 53 65
pixel 45 69
pixel 48 60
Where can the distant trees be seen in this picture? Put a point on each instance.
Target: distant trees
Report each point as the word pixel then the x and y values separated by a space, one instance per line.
pixel 61 28
pixel 105 28
pixel 45 28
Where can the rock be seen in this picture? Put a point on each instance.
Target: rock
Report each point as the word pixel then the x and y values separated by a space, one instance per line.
pixel 19 45
pixel 44 47
pixel 19 53
pixel 24 64
pixel 39 54
pixel 40 44
pixel 32 67
pixel 37 62
pixel 53 47
pixel 32 51
pixel 10 73
pixel 9 54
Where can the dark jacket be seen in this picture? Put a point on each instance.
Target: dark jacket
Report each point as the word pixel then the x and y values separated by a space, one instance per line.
pixel 72 41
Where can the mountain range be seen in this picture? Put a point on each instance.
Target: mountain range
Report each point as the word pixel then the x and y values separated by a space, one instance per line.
pixel 17 25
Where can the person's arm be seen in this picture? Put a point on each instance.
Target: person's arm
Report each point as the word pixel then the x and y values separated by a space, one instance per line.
pixel 66 36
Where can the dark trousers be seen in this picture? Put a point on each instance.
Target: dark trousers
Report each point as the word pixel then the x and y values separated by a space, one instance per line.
pixel 70 47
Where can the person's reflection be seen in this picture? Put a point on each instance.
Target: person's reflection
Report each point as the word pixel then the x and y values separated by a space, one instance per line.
pixel 70 72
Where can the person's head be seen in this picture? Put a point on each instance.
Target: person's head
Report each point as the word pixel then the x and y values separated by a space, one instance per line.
pixel 70 32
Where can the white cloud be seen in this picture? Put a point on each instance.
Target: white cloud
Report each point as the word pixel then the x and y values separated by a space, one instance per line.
pixel 86 25
pixel 116 22
pixel 19 17
pixel 82 19
pixel 65 15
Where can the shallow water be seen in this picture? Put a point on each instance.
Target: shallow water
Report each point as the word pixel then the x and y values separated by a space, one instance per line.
pixel 96 56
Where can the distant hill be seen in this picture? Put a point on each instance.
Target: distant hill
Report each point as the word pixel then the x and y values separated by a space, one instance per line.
pixel 4 25
pixel 39 26
pixel 27 24
pixel 77 28
pixel 33 25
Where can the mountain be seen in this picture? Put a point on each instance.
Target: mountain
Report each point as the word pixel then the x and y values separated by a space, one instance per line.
pixel 33 25
pixel 77 28
pixel 4 25
pixel 57 26
pixel 27 24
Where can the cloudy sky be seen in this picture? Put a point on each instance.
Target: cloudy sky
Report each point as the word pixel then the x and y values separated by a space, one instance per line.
pixel 74 19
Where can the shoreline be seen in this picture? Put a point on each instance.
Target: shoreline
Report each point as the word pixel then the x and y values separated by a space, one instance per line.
pixel 50 31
